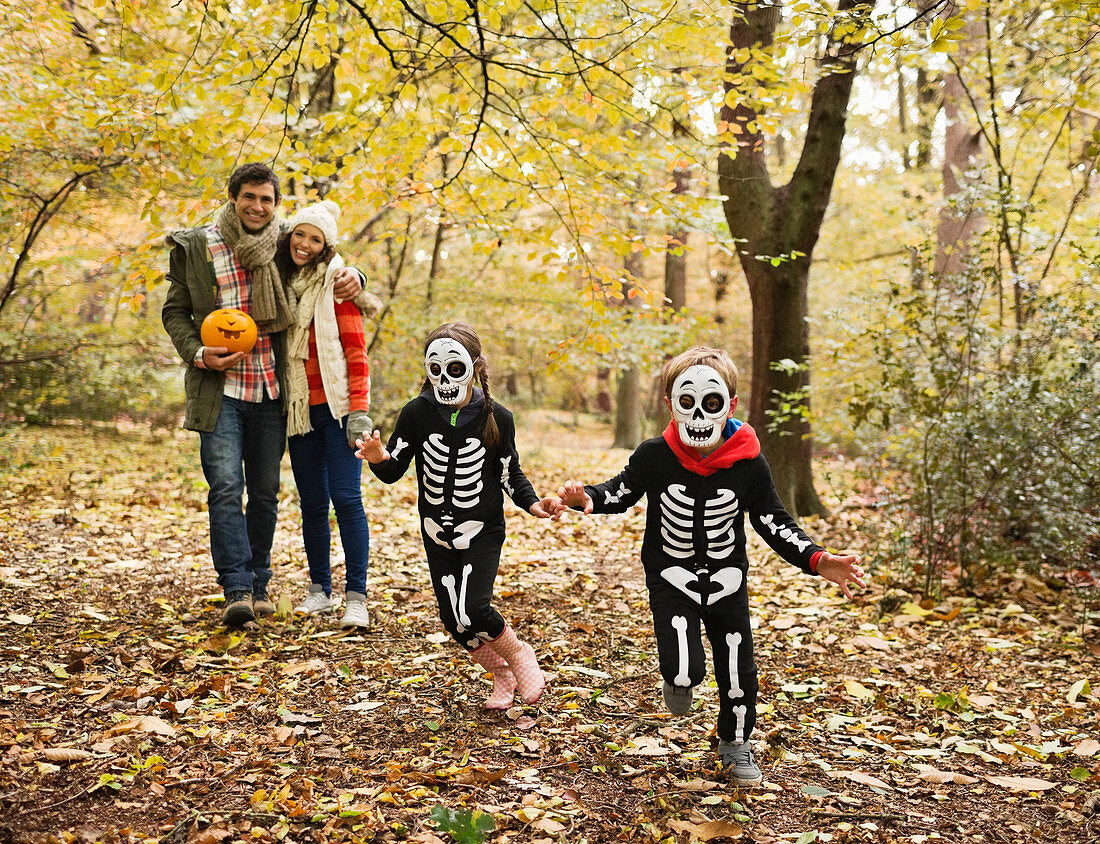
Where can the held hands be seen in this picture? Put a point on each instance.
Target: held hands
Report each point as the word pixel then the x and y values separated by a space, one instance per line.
pixel 548 508
pixel 841 571
pixel 360 426
pixel 219 358
pixel 572 495
pixel 371 449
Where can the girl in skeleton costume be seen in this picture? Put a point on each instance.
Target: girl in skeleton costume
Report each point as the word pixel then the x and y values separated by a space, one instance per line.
pixel 465 451
pixel 702 476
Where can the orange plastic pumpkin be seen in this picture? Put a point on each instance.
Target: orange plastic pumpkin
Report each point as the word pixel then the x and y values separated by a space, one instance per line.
pixel 231 328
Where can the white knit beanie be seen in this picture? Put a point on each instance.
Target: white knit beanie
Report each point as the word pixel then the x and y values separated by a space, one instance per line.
pixel 323 215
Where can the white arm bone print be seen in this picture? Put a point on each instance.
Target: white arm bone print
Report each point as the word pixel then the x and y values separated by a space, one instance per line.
pixel 617 496
pixel 398 447
pixel 505 481
pixel 784 533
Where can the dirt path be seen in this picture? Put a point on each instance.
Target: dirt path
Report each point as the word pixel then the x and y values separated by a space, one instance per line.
pixel 127 714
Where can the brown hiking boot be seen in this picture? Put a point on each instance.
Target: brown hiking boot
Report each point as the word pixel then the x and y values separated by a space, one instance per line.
pixel 238 609
pixel 262 604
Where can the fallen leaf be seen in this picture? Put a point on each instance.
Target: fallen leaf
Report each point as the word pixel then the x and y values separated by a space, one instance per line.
pixel 708 831
pixel 17 618
pixel 861 778
pixel 858 690
pixel 938 777
pixel 1022 783
pixel 66 754
pixel 1081 687
pixel 1086 748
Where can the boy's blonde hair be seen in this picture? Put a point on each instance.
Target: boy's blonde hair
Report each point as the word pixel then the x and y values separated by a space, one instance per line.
pixel 699 356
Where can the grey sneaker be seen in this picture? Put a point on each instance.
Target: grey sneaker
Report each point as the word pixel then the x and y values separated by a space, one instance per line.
pixel 738 759
pixel 317 601
pixel 355 615
pixel 238 609
pixel 677 698
pixel 262 604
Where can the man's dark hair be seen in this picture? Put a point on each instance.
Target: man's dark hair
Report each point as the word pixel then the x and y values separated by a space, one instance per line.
pixel 253 173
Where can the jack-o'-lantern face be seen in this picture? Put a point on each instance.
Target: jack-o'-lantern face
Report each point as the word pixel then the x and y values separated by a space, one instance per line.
pixel 230 328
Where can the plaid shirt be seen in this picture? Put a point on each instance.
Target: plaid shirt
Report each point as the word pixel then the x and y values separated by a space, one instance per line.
pixel 255 374
pixel 349 320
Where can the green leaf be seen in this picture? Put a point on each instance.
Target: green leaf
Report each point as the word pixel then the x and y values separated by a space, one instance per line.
pixel 465 826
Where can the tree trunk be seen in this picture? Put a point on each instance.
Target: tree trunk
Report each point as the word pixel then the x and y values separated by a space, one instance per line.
pixel 777 229
pixel 960 218
pixel 628 401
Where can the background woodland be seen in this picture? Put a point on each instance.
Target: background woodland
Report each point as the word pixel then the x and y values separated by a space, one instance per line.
pixel 886 212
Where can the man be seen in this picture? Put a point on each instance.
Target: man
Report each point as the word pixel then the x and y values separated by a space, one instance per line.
pixel 234 399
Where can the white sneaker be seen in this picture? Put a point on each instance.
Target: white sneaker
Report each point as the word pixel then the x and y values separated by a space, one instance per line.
pixel 355 615
pixel 317 602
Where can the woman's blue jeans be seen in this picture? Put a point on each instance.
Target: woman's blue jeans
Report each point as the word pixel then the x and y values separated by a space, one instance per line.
pixel 242 454
pixel 327 471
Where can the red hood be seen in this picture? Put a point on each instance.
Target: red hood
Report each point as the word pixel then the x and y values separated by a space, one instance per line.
pixel 743 445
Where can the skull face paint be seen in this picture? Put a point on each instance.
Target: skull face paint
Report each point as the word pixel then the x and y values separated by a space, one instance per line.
pixel 450 370
pixel 700 406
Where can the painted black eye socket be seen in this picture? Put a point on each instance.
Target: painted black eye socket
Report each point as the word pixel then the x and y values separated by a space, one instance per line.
pixel 686 402
pixel 434 369
pixel 456 369
pixel 713 403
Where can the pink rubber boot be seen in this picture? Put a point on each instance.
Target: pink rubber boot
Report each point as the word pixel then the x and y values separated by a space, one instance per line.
pixel 520 657
pixel 504 683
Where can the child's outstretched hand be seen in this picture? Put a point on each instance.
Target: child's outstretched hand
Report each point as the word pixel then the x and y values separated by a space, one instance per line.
pixel 841 571
pixel 371 449
pixel 548 508
pixel 572 494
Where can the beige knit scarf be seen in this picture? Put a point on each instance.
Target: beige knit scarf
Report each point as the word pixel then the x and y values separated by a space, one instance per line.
pixel 307 287
pixel 271 307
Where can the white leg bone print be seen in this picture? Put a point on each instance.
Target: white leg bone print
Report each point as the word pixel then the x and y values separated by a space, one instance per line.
pixel 740 712
pixel 458 598
pixel 784 533
pixel 733 642
pixel 728 579
pixel 680 624
pixel 677 517
pixel 446 534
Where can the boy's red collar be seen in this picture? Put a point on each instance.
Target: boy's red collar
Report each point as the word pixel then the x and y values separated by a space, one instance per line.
pixel 743 445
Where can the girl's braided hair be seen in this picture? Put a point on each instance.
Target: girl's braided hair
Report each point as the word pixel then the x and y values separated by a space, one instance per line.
pixel 463 333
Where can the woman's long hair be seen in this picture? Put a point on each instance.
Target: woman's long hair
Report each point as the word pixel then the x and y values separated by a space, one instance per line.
pixel 464 334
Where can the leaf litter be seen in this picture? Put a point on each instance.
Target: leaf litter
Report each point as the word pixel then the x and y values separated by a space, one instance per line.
pixel 128 714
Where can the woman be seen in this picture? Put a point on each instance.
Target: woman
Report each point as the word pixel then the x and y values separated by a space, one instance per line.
pixel 328 399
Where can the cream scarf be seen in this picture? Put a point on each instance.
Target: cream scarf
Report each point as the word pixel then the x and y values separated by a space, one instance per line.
pixel 271 307
pixel 308 287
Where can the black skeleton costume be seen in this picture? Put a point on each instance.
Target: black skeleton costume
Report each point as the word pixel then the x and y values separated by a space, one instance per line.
pixel 461 483
pixel 693 551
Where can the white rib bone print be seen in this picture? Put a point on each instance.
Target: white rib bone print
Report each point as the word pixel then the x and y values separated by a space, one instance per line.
pixel 677 514
pixel 468 466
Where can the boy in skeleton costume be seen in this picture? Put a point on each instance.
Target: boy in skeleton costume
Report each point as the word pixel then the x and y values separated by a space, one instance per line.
pixel 702 476
pixel 465 450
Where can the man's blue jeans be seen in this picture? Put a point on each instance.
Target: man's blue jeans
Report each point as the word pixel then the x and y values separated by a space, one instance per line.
pixel 242 454
pixel 326 469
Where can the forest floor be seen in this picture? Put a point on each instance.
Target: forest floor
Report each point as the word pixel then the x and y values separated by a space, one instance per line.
pixel 128 714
